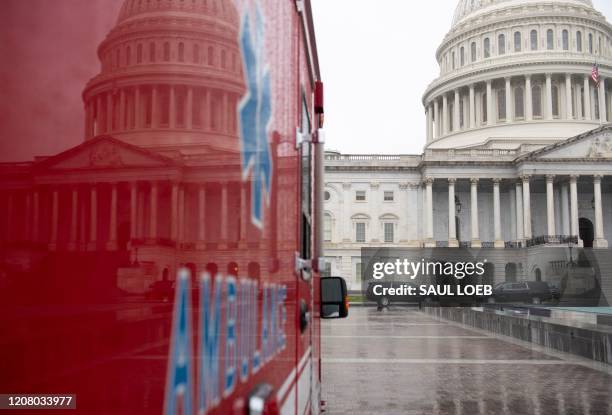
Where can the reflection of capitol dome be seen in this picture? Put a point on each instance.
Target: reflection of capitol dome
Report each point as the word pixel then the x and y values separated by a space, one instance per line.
pixel 171 73
pixel 518 71
pixel 217 9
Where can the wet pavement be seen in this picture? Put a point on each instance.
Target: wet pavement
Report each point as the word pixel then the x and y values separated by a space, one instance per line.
pixel 402 361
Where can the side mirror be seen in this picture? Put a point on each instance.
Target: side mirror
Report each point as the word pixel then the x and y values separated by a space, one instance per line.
pixel 334 298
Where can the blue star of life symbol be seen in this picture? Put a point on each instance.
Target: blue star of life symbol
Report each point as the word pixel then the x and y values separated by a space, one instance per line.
pixel 255 114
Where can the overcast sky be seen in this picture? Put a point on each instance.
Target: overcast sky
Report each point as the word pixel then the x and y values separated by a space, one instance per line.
pixel 376 59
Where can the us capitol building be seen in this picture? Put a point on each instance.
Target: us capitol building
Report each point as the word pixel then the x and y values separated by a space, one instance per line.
pixel 518 147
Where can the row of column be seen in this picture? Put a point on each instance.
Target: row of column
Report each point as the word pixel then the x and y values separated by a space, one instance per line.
pixel 129 108
pixel 178 212
pixel 439 118
pixel 523 211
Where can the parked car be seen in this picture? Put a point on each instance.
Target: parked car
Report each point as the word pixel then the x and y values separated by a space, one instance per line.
pixel 534 292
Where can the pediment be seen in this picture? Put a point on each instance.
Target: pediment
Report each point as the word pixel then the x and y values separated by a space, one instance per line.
pixel 592 145
pixel 104 152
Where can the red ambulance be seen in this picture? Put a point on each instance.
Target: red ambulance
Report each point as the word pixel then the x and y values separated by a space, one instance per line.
pixel 171 262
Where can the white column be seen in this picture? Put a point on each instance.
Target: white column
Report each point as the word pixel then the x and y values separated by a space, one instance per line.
pixel 519 211
pixel 457 112
pixel 574 207
pixel 474 213
pixel 529 98
pixel 569 113
pixel 587 97
pixel 444 115
pixel 429 235
pixel 472 107
pixel 74 215
pixel 54 220
pixel 436 119
pixel 603 110
pixel 549 103
pixel 499 242
pixel 93 219
pixel 153 217
pixel 133 207
pixel 550 205
pixel 509 106
pixel 428 126
pixel 565 210
pixel 490 111
pixel 224 213
pixel 600 241
pixel 452 224
pixel 112 240
pixel 526 208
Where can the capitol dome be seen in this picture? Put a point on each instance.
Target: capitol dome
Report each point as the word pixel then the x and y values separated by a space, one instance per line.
pixel 518 73
pixel 470 8
pixel 171 73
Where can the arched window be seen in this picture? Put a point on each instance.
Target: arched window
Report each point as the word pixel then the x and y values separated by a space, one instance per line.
pixel 519 103
pixel 196 53
pixel 487 48
pixel 536 93
pixel 181 52
pixel 139 53
pixel 473 52
pixel 223 59
pixel 550 39
pixel 462 55
pixel 565 40
pixel 501 44
pixel 128 55
pixel 501 104
pixel 555 101
pixel 211 56
pixel 517 42
pixel 534 40
pixel 579 41
pixel 117 58
pixel 590 42
pixel 167 52
pixel 152 52
pixel 453 60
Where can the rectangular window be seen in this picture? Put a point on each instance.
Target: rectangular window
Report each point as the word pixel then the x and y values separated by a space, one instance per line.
pixel 389 228
pixel 358 276
pixel 360 196
pixel 388 196
pixel 360 232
